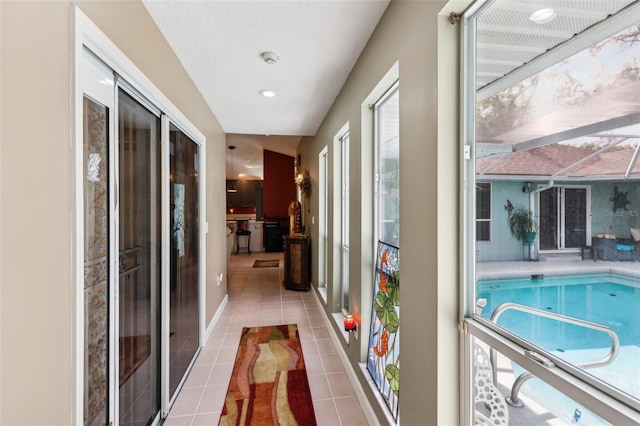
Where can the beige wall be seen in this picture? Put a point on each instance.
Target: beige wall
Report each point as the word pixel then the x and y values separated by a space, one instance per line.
pixel 37 292
pixel 415 34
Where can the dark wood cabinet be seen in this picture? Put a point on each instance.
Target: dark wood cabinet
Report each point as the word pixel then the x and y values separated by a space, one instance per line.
pixel 296 262
pixel 248 192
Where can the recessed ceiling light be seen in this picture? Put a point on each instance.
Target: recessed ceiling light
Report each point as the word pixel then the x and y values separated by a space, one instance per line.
pixel 267 93
pixel 543 16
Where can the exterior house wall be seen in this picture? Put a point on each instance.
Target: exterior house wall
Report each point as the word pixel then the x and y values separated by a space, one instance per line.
pixel 37 217
pixel 604 219
pixel 504 247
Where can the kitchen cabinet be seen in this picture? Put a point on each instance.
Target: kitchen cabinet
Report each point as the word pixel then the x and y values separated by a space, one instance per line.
pixel 249 193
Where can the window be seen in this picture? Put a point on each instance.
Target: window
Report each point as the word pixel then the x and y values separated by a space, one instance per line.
pixel 344 212
pixel 551 140
pixel 323 212
pixel 387 151
pixel 483 212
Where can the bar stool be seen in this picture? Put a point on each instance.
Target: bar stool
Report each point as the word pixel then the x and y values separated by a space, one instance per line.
pixel 242 230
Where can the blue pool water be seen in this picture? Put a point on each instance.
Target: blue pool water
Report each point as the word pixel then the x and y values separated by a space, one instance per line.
pixel 606 299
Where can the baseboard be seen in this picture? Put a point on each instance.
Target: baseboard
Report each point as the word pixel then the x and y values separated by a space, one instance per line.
pixel 355 383
pixel 214 320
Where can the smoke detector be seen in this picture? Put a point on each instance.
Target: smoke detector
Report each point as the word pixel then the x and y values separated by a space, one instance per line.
pixel 270 57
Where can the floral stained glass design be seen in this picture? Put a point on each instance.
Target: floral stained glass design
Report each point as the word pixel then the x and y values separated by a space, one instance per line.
pixel 383 358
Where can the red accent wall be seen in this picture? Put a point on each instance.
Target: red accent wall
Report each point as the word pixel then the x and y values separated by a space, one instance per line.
pixel 278 186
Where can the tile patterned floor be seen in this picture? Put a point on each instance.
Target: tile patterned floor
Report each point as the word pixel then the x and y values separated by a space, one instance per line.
pixel 256 297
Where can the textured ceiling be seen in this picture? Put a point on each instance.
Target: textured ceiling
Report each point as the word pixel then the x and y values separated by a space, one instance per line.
pixel 220 44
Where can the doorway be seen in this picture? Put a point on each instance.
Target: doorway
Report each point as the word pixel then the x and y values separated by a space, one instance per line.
pixel 564 214
pixel 143 251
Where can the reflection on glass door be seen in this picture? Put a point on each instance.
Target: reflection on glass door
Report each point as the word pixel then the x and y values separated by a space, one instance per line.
pixel 185 251
pixel 96 255
pixel 139 261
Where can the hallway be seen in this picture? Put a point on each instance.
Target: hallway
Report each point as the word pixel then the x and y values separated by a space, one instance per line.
pixel 257 297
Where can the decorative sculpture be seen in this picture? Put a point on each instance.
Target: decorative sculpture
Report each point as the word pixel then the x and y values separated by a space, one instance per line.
pixel 620 199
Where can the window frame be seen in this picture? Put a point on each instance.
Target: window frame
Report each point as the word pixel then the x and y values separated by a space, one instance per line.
pixel 323 220
pixel 344 140
pixel 389 92
pixel 602 399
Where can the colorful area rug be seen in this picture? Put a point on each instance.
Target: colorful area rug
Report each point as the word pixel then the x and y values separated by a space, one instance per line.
pixel 266 263
pixel 269 383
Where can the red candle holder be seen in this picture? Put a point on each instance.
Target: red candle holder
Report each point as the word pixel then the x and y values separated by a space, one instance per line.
pixel 350 323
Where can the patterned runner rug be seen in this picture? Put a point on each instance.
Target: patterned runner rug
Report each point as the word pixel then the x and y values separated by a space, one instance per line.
pixel 269 383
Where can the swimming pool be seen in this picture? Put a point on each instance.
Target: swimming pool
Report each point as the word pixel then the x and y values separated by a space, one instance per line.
pixel 607 299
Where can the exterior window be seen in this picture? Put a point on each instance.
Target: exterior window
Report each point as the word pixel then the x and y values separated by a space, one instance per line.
pixel 344 146
pixel 553 143
pixel 483 212
pixel 387 145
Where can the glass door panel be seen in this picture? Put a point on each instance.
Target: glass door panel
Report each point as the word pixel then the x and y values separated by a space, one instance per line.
pixel 575 217
pixel 185 254
pixel 96 261
pixel 549 219
pixel 563 218
pixel 139 261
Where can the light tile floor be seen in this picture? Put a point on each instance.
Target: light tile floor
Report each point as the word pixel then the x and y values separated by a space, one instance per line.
pixel 257 297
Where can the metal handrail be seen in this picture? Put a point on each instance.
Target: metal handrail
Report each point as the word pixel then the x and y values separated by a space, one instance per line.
pixel 615 344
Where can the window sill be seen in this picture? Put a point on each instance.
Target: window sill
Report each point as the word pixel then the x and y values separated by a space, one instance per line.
pixel 322 291
pixel 338 318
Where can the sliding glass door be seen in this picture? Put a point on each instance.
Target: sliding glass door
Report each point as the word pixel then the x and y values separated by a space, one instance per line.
pixel 564 217
pixel 96 260
pixel 139 261
pixel 139 183
pixel 185 255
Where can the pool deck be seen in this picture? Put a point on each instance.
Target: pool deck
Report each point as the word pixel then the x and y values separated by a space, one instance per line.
pixel 571 266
